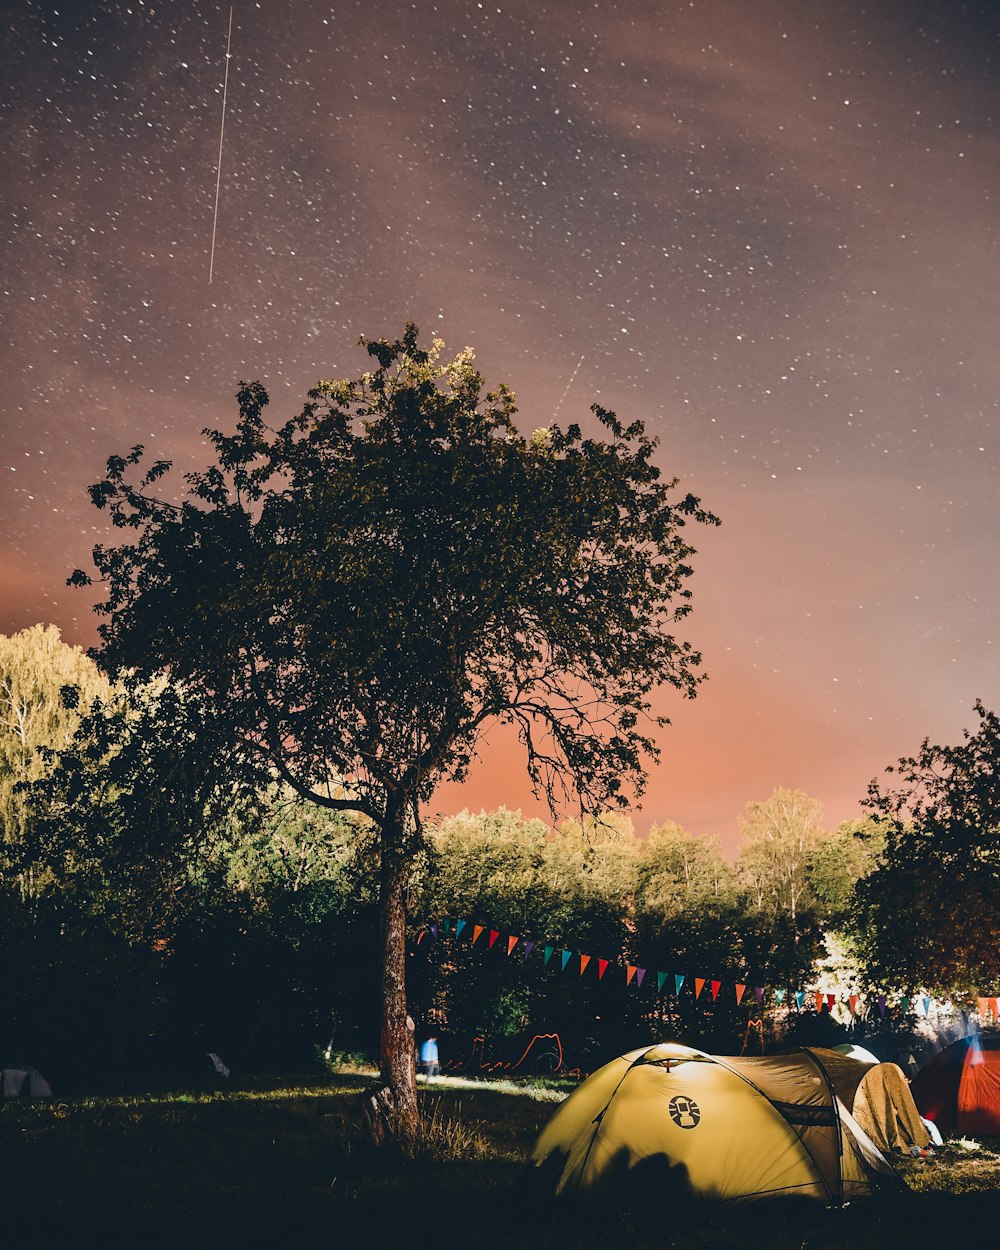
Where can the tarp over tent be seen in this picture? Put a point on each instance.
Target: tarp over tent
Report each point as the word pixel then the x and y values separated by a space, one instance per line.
pixel 959 1087
pixel 672 1119
pixel 878 1097
pixel 24 1081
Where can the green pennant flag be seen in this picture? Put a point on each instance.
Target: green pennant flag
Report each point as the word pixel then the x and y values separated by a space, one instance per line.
pixel 905 1003
pixel 779 997
pixel 660 978
pixel 548 953
pixel 445 926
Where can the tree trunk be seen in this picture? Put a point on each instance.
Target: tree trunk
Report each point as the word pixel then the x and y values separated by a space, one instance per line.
pixel 396 1041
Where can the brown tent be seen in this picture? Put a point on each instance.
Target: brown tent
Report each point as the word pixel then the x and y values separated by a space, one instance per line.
pixel 879 1099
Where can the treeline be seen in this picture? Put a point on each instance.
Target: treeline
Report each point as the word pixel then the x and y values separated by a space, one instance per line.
pixel 157 904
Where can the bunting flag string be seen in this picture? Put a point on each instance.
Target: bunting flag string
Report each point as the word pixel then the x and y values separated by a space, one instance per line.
pixel 852 1002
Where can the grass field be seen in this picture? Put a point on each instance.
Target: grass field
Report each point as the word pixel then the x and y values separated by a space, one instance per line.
pixel 285 1164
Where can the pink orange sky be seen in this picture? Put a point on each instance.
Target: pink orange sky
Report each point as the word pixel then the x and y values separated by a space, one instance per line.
pixel 768 229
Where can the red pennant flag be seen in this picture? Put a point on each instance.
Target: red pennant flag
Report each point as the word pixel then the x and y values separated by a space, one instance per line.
pixel 740 991
pixel 716 986
pixel 699 985
pixel 819 1000
pixel 602 967
pixel 584 960
pixel 476 931
pixel 494 934
pixel 852 1002
pixel 830 1000
pixel 511 943
pixel 629 973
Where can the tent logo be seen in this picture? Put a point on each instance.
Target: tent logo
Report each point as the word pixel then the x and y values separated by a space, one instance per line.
pixel 684 1112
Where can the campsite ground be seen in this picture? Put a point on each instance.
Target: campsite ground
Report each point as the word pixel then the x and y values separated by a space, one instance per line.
pixel 285 1164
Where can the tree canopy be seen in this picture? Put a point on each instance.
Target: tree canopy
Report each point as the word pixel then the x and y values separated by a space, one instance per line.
pixel 930 909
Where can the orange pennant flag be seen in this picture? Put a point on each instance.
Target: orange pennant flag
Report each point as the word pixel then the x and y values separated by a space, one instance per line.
pixel 629 973
pixel 984 1006
pixel 584 960
pixel 995 1004
pixel 819 1000
pixel 699 985
pixel 740 991
pixel 494 934
pixel 511 943
pixel 421 935
pixel 716 986
pixel 476 931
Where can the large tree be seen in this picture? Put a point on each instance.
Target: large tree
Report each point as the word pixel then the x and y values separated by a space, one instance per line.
pixel 930 910
pixel 364 590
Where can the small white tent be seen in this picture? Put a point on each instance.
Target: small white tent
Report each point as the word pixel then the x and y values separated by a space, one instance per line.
pixel 24 1081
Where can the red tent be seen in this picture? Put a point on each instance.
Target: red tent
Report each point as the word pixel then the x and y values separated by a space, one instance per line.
pixel 959 1088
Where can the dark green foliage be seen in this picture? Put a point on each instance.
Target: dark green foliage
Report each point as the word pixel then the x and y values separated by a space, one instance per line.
pixel 930 910
pixel 362 590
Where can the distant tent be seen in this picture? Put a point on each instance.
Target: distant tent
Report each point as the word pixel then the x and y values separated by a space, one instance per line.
pixel 671 1120
pixel 878 1097
pixel 959 1087
pixel 857 1052
pixel 24 1081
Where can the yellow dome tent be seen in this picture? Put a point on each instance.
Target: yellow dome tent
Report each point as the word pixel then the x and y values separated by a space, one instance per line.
pixel 670 1120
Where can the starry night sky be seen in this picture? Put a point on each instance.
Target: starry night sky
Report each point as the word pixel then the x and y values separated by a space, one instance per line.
pixel 769 228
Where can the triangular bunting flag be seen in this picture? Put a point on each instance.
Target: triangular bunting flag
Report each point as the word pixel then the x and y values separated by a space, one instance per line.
pixel 881 1004
pixel 995 1008
pixel 566 957
pixel 927 1005
pixel 602 967
pixel 421 935
pixel 660 978
pixel 984 1005
pixel 445 926
pixel 629 973
pixel 434 930
pixel 905 1003
pixel 548 953
pixel 494 934
pixel 477 930
pixel 830 1000
pixel 779 997
pixel 459 926
pixel 819 1000
pixel 758 993
pixel 800 998
pixel 639 974
pixel 716 986
pixel 678 982
pixel 511 943
pixel 699 985
pixel 584 960
pixel 528 948
pixel 740 991
pixel 852 1003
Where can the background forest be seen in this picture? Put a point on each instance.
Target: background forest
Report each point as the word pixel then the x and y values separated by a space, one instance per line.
pixel 156 905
